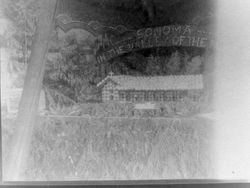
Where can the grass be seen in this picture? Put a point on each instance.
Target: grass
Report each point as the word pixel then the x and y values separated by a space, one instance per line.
pixel 120 149
pixel 108 141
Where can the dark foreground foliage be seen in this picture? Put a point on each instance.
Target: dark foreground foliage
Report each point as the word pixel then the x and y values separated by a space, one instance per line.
pixel 117 149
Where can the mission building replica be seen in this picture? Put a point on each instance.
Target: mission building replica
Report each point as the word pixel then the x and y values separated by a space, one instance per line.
pixel 139 89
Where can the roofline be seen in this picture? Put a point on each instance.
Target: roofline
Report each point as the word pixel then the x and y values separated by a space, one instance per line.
pixel 110 77
pixel 153 90
pixel 104 81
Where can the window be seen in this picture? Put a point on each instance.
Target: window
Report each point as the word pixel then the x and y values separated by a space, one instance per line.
pixel 175 95
pixel 157 96
pixel 132 96
pixel 151 96
pixel 122 96
pixel 168 96
pixel 139 96
pixel 161 96
pixel 111 97
pixel 128 97
pixel 145 96
pixel 181 94
pixel 142 96
pixel 136 95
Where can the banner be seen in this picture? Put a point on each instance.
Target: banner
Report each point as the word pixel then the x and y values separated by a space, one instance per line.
pixel 174 35
pixel 109 42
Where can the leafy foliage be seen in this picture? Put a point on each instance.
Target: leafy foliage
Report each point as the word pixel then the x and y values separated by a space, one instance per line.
pixel 178 62
pixel 22 16
pixel 71 73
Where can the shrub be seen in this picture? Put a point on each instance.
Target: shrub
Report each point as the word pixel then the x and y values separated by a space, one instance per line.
pixel 185 106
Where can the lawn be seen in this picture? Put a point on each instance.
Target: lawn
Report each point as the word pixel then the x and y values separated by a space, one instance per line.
pixel 117 148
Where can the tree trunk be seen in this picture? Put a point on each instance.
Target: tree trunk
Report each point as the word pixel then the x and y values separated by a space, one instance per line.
pixel 149 7
pixel 30 97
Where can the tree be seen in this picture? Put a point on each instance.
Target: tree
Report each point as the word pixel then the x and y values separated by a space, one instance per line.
pixel 19 32
pixel 173 65
pixel 153 66
pixel 22 15
pixel 71 75
pixel 32 86
pixel 194 66
pixel 149 7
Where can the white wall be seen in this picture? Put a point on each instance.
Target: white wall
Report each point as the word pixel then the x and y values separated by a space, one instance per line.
pixel 232 93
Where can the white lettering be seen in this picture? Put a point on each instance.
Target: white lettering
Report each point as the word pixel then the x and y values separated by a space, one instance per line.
pixel 166 30
pixel 148 32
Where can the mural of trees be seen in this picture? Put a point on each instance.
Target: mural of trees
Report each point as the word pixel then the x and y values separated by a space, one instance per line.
pixel 74 75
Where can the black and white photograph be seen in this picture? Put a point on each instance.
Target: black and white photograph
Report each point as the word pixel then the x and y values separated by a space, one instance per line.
pixel 128 90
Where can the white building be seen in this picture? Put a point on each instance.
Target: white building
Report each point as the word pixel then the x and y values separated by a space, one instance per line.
pixel 139 89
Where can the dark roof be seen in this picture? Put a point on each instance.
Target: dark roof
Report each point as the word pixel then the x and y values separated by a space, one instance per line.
pixel 174 82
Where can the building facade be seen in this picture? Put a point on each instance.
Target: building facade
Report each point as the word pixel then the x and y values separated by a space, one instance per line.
pixel 138 89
